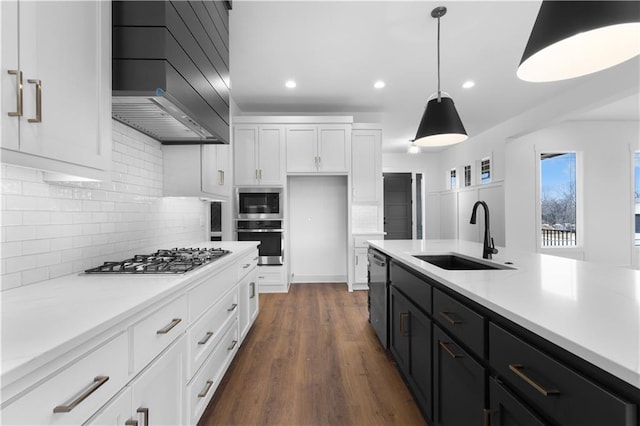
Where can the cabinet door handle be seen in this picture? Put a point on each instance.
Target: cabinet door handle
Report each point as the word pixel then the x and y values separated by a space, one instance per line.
pixel 38 84
pixel 246 265
pixel 404 332
pixel 220 177
pixel 131 422
pixel 257 178
pixel 232 308
pixel 233 345
pixel 252 285
pixel 517 370
pixel 449 318
pixel 445 346
pixel 145 413
pixel 206 389
pixel 487 416
pixel 206 338
pixel 97 382
pixel 18 111
pixel 170 326
pixel 255 258
pixel 319 162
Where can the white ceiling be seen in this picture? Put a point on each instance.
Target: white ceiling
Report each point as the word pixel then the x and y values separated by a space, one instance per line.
pixel 336 50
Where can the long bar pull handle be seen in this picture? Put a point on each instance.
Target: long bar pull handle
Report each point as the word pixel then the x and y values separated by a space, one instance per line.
pixel 246 265
pixel 448 317
pixel 257 178
pixel 404 332
pixel 38 84
pixel 18 111
pixel 233 345
pixel 97 382
pixel 486 417
pixel 206 338
pixel 145 413
pixel 252 285
pixel 220 177
pixel 445 346
pixel 170 326
pixel 232 308
pixel 206 389
pixel 517 369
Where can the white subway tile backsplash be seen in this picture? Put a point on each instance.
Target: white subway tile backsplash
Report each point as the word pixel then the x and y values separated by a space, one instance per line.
pixel 18 264
pixel 36 218
pixel 19 202
pixel 9 281
pixel 19 233
pixel 10 218
pixel 21 173
pixel 36 189
pixel 35 247
pixel 35 275
pixel 11 186
pixel 11 249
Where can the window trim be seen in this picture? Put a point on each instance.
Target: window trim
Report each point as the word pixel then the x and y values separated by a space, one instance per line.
pixel 453 178
pixel 490 171
pixel 467 176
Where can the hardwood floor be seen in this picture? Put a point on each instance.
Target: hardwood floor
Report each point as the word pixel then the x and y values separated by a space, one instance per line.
pixel 312 358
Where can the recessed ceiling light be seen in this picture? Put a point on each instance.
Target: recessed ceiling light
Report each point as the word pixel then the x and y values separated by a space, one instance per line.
pixel 468 84
pixel 290 84
pixel 379 84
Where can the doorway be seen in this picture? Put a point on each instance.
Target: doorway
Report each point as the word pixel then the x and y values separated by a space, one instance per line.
pixel 397 206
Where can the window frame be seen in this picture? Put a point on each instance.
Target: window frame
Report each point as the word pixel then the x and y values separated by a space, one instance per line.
pixel 467 175
pixel 453 178
pixel 489 179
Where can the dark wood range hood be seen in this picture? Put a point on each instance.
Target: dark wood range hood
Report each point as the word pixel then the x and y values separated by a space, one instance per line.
pixel 170 69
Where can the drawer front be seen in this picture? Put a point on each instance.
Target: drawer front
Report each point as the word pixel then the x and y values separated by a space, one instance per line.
pixel 246 264
pixel 157 331
pixel 206 294
pixel 204 384
pixel 207 332
pixel 555 390
pixel 415 288
pixel 77 392
pixel 460 321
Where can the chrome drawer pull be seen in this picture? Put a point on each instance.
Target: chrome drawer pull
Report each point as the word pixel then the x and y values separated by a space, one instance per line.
pixel 245 266
pixel 253 290
pixel 206 389
pixel 18 111
pixel 206 338
pixel 232 308
pixel 97 382
pixel 517 369
pixel 169 327
pixel 449 318
pixel 38 84
pixel 445 346
pixel 145 412
pixel 233 345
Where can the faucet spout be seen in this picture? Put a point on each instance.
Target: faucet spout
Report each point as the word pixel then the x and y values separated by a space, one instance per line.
pixel 488 248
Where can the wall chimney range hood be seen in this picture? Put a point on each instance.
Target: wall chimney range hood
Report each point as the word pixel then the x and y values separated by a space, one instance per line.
pixel 165 83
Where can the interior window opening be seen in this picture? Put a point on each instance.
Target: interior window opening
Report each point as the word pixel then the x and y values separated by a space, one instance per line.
pixel 558 199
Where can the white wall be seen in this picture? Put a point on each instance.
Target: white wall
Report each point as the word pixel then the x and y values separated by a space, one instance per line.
pixel 50 230
pixel 606 149
pixel 318 228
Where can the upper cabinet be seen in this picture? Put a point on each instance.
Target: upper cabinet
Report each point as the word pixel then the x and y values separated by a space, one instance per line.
pixel 259 155
pixel 324 148
pixel 197 171
pixel 366 167
pixel 55 91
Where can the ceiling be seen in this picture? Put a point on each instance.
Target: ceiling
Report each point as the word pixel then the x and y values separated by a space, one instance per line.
pixel 336 50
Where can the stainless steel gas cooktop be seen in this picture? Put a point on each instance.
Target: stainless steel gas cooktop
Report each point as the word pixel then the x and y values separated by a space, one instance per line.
pixel 174 261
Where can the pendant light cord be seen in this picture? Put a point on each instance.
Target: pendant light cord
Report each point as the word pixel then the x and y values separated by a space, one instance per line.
pixel 438 59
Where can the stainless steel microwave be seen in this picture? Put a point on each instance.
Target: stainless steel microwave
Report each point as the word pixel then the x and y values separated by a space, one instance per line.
pixel 259 203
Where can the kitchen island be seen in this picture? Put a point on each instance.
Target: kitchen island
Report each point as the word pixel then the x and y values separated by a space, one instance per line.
pixel 581 318
pixel 81 340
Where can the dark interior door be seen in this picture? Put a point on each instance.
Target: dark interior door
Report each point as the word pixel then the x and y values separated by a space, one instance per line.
pixel 397 206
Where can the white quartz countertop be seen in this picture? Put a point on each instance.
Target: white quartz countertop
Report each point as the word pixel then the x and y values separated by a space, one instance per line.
pixel 44 320
pixel 591 310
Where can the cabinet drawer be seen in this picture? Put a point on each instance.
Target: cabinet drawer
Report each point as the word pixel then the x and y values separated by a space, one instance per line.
pixel 206 294
pixel 460 321
pixel 72 395
pixel 247 264
pixel 555 390
pixel 154 333
pixel 207 332
pixel 201 389
pixel 415 288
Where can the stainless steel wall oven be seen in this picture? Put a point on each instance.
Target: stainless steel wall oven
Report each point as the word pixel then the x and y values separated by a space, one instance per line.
pixel 271 237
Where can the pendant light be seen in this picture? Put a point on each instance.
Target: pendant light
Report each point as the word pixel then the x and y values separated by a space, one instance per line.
pixel 574 38
pixel 440 124
pixel 413 148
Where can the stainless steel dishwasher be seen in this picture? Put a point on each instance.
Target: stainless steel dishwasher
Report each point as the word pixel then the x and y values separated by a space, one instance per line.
pixel 379 294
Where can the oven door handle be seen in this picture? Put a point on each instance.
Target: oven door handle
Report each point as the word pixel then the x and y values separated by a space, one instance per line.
pixel 260 230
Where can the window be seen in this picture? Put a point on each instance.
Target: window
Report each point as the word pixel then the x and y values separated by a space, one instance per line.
pixel 453 179
pixel 636 174
pixel 467 175
pixel 485 170
pixel 558 199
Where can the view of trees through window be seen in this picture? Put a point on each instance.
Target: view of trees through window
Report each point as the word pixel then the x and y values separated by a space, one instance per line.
pixel 558 199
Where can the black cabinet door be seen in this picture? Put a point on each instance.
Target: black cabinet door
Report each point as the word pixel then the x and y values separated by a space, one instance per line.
pixel 399 339
pixel 506 410
pixel 459 384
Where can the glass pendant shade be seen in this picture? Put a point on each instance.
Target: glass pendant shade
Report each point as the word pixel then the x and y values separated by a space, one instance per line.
pixel 575 38
pixel 440 124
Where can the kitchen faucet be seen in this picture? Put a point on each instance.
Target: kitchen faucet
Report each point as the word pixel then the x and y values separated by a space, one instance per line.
pixel 488 248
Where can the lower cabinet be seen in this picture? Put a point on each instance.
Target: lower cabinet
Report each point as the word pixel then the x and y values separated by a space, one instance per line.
pixel 248 297
pixel 505 409
pixel 458 383
pixel 410 343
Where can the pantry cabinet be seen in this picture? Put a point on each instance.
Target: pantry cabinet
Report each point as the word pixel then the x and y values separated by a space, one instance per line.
pixel 56 73
pixel 259 155
pixel 315 149
pixel 366 165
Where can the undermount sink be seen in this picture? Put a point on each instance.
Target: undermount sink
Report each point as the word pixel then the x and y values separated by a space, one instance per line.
pixel 453 262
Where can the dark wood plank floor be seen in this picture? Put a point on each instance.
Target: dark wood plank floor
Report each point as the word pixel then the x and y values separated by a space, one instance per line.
pixel 312 358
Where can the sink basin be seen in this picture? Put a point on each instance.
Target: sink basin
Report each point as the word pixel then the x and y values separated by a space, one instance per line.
pixel 457 263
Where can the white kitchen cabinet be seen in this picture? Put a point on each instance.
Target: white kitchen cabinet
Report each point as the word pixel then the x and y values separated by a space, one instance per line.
pixel 56 92
pixel 366 167
pixel 271 279
pixel 361 269
pixel 197 171
pixel 318 148
pixel 360 260
pixel 259 155
pixel 117 412
pixel 248 297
